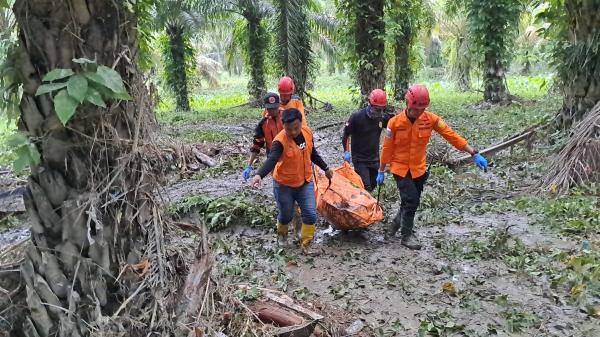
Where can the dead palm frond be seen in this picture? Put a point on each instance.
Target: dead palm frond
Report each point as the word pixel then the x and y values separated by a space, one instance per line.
pixel 579 161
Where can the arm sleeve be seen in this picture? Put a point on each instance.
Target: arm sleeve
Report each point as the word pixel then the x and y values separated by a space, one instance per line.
pixel 387 149
pixel 315 157
pixel 347 133
pixel 269 164
pixel 259 138
pixel 449 135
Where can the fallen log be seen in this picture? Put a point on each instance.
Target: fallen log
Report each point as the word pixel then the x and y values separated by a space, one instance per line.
pixel 279 316
pixel 204 159
pixel 289 303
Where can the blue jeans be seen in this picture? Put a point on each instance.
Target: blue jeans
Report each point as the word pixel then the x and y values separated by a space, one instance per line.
pixel 305 197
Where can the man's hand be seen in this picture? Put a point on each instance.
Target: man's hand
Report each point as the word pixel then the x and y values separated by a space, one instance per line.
pixel 247 171
pixel 347 156
pixel 380 178
pixel 256 181
pixel 480 161
pixel 329 174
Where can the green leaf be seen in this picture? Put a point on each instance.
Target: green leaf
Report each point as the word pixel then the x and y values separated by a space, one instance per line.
pixel 49 87
pixel 77 87
pixel 65 106
pixel 23 160
pixel 95 78
pixel 112 79
pixel 34 154
pixel 17 139
pixel 122 95
pixel 94 97
pixel 4 4
pixel 57 74
pixel 83 60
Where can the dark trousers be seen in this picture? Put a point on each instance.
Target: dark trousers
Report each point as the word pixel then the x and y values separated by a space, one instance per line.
pixel 410 194
pixel 367 173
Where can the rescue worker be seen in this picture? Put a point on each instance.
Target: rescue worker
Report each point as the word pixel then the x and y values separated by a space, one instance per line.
pixel 290 161
pixel 364 130
pixel 266 130
pixel 286 88
pixel 405 150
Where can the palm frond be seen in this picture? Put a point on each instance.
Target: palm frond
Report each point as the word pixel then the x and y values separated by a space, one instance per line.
pixel 294 50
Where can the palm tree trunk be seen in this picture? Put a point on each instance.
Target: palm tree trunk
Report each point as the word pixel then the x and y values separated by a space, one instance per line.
pixel 463 64
pixel 90 199
pixel 402 71
pixel 257 40
pixel 177 74
pixel 494 80
pixel 370 46
pixel 581 61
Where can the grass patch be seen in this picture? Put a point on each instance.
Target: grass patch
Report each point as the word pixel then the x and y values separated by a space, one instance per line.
pixel 206 136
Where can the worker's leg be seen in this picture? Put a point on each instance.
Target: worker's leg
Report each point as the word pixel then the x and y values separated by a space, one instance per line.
pixel 284 197
pixel 305 197
pixel 373 170
pixel 363 171
pixel 411 198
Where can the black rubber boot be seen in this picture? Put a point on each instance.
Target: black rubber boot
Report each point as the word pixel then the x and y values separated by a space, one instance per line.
pixel 394 226
pixel 409 240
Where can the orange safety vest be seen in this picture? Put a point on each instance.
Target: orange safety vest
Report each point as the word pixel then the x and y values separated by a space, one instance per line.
pixel 295 103
pixel 271 127
pixel 405 144
pixel 294 166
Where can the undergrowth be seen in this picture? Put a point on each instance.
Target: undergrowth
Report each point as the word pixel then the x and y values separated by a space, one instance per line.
pixel 222 212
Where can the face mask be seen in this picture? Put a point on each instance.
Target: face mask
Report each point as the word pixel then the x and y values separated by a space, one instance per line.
pixel 375 113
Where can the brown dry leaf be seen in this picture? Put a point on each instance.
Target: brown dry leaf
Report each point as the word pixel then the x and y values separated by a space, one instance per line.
pixel 199 332
pixel 141 268
pixel 449 288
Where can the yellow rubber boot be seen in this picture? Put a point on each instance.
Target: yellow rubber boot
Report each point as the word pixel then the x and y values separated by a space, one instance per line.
pixel 282 233
pixel 307 234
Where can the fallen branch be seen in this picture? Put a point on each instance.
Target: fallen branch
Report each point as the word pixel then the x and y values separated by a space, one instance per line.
pixel 325 126
pixel 494 148
pixel 204 159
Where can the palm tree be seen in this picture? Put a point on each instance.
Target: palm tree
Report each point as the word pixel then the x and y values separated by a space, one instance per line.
pixel 492 25
pixel 294 52
pixel 179 19
pixel 404 20
pixel 364 30
pixel 90 198
pixel 254 35
pixel 453 29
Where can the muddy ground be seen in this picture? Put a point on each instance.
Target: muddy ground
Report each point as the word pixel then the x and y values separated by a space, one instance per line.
pixel 443 289
pixel 455 286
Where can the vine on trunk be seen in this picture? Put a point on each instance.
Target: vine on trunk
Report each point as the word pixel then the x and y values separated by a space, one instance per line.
pixel 492 25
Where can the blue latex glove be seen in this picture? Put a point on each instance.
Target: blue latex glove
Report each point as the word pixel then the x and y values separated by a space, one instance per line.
pixel 480 161
pixel 380 178
pixel 347 156
pixel 247 172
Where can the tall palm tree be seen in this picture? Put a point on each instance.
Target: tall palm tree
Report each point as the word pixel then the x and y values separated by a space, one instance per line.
pixel 363 27
pixel 179 19
pixel 404 20
pixel 90 198
pixel 492 25
pixel 254 34
pixel 453 29
pixel 294 52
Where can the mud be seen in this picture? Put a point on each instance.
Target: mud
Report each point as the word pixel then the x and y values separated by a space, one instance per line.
pixel 393 289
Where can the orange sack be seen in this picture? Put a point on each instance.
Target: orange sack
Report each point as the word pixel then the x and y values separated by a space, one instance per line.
pixel 345 203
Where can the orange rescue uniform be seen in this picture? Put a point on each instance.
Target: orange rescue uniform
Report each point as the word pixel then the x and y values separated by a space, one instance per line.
pixel 405 144
pixel 296 103
pixel 294 167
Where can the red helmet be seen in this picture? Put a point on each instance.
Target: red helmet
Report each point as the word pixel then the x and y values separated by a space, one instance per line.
pixel 286 86
pixel 378 98
pixel 417 97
